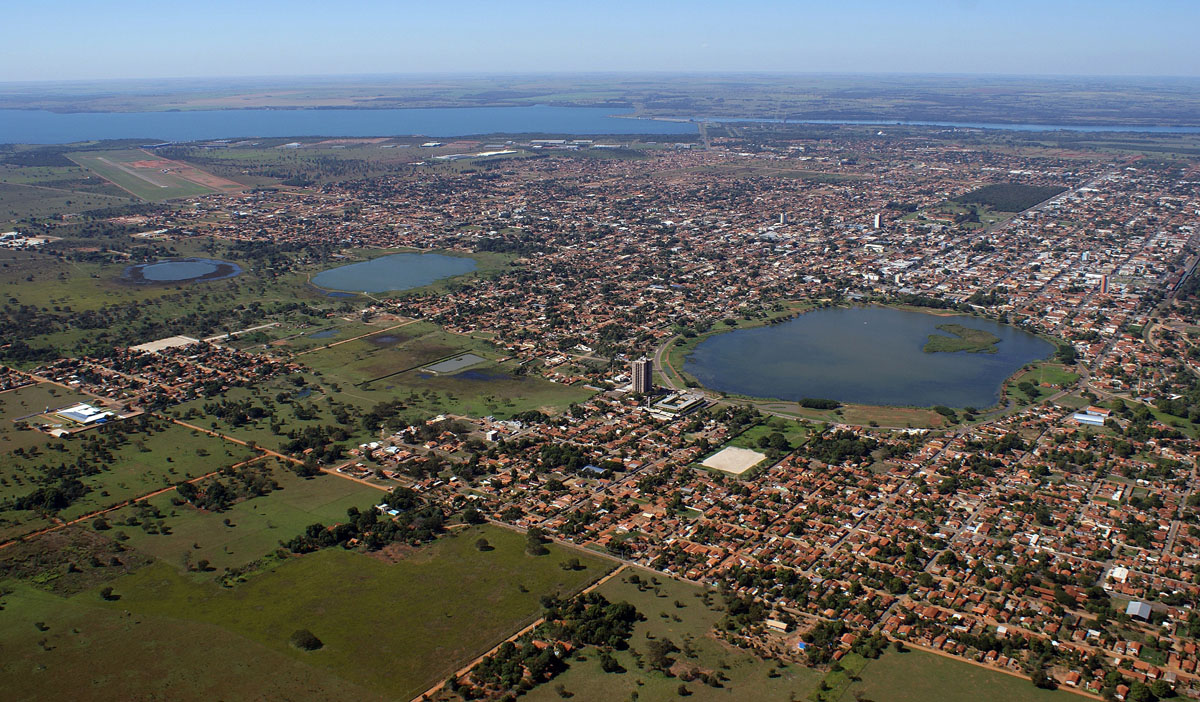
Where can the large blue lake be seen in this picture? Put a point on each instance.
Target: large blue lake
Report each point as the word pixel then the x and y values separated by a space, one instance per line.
pixel 1015 127
pixel 392 273
pixel 40 127
pixel 863 355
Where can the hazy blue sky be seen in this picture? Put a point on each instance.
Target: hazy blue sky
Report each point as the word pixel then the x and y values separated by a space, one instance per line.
pixel 86 39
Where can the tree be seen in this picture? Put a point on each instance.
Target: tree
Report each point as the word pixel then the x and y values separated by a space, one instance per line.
pixel 483 545
pixel 535 542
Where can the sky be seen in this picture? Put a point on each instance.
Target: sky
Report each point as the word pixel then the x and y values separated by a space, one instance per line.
pixel 91 39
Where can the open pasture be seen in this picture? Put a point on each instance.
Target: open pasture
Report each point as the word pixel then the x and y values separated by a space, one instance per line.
pixel 393 628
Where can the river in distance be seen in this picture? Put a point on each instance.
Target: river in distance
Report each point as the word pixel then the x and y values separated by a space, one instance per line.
pixel 863 355
pixel 42 127
pixel 393 273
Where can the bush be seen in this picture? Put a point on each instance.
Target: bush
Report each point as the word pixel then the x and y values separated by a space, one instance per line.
pixel 305 640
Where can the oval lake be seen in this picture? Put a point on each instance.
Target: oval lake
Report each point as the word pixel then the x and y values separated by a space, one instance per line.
pixel 181 270
pixel 402 271
pixel 863 355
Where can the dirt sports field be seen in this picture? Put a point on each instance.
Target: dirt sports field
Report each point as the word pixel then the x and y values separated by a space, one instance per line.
pixel 150 177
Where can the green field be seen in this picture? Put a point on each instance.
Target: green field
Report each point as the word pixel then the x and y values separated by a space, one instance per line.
pixel 389 365
pixel 23 201
pixel 794 433
pixel 92 652
pixel 917 676
pixel 393 628
pixel 149 184
pixel 748 676
pixel 140 462
pixel 250 529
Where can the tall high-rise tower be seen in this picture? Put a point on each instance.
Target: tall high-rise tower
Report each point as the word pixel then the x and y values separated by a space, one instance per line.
pixel 643 376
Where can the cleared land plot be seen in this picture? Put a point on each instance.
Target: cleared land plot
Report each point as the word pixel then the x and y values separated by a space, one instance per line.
pixel 691 623
pixel 249 529
pixel 151 177
pixel 915 676
pixel 734 460
pixel 395 628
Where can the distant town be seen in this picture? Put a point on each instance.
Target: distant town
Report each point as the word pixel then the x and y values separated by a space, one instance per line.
pixel 169 364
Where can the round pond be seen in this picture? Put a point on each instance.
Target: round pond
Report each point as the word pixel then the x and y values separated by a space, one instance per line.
pixel 180 270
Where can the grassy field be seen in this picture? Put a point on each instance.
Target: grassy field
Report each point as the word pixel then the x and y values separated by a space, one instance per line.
pixel 250 529
pixel 916 676
pixel 144 461
pixel 793 432
pixel 676 610
pixel 389 366
pixel 92 652
pixel 394 628
pixel 148 176
pixel 22 201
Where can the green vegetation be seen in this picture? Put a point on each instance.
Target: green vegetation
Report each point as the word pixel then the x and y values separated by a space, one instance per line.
pixel 418 629
pixel 915 675
pixel 89 650
pixel 102 467
pixel 204 542
pixel 1010 197
pixel 684 616
pixel 963 339
pixel 144 175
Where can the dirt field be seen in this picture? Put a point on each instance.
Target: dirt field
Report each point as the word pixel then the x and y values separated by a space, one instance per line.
pixel 732 459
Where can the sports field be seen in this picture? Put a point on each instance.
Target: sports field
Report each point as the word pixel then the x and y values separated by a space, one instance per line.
pixel 732 459
pixel 151 177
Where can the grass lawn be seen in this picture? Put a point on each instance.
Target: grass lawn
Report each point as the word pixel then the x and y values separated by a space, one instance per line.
pixel 917 676
pixel 395 628
pixel 792 431
pixel 255 526
pixel 748 675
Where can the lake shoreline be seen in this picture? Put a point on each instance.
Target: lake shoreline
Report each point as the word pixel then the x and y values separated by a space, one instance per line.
pixel 680 357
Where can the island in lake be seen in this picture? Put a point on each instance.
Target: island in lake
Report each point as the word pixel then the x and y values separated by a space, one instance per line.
pixel 963 339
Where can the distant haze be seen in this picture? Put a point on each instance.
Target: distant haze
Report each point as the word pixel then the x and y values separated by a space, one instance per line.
pixel 85 40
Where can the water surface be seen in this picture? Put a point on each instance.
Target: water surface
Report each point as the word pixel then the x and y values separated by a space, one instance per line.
pixel 393 273
pixel 181 270
pixel 42 127
pixel 863 355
